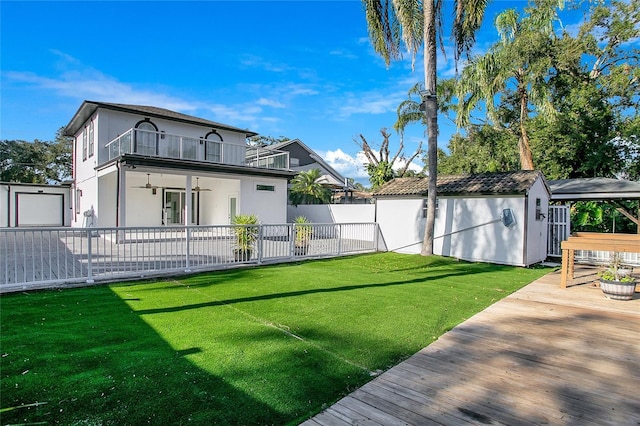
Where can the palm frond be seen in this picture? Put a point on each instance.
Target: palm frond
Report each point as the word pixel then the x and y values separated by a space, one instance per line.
pixel 411 19
pixel 467 21
pixel 384 28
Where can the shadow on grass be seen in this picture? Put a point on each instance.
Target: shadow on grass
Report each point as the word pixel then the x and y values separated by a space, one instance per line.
pixel 432 277
pixel 86 358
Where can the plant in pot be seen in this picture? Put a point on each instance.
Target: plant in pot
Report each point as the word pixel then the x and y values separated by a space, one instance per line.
pixel 246 231
pixel 616 283
pixel 303 231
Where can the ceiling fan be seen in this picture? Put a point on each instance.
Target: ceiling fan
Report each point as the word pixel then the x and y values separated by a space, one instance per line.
pixel 197 188
pixel 148 185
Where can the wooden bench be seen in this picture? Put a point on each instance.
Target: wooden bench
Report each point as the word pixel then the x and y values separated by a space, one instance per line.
pixel 628 243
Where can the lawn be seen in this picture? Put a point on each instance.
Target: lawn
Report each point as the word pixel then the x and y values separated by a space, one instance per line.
pixel 264 345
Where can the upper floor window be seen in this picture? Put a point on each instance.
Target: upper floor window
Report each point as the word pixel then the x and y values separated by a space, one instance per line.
pixel 91 140
pixel 213 147
pixel 84 144
pixel 146 138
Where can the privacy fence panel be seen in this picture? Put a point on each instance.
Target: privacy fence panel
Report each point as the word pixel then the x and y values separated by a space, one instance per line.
pixel 48 257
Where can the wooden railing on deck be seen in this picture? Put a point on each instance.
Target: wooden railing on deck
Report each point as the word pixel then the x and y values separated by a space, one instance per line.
pixel 594 241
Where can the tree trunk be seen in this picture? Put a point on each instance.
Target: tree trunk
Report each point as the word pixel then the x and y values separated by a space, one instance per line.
pixel 526 158
pixel 431 104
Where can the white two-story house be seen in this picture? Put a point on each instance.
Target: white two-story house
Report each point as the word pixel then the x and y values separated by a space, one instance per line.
pixel 146 166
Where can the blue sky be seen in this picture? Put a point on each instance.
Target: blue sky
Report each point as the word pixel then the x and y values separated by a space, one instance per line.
pixel 300 69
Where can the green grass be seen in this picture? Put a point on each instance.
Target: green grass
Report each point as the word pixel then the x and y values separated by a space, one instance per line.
pixel 267 345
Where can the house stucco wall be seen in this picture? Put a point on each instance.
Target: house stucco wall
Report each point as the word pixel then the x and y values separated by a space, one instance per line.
pixel 333 213
pixel 269 206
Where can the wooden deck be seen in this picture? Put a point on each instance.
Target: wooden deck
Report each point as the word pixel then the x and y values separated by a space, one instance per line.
pixel 544 355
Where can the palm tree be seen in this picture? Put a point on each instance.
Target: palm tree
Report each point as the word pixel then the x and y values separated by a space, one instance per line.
pixel 522 56
pixel 414 23
pixel 305 189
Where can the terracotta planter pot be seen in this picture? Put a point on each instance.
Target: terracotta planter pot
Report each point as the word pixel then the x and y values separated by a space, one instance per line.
pixel 616 290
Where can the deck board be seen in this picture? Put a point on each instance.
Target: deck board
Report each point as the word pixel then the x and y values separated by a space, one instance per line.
pixel 543 355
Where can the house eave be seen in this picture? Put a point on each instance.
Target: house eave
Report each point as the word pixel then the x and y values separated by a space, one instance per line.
pixel 88 108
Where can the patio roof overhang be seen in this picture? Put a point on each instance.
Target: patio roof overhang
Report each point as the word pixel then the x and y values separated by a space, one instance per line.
pixel 593 189
pixel 168 164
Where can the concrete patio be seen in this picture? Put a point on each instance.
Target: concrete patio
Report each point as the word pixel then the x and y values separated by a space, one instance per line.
pixel 543 355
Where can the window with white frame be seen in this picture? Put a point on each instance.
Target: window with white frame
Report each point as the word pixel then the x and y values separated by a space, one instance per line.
pixel 146 138
pixel 84 144
pixel 213 147
pixel 91 141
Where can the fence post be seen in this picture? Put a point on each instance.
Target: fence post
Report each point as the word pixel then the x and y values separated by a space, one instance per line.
pixel 260 243
pixel 292 239
pixel 376 241
pixel 89 257
pixel 339 239
pixel 188 260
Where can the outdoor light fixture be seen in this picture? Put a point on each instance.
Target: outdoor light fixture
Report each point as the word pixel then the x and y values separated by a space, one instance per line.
pixel 424 95
pixel 507 218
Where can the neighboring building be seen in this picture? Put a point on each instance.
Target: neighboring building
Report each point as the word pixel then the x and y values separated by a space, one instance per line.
pixel 302 159
pixel 146 166
pixel 32 204
pixel 490 217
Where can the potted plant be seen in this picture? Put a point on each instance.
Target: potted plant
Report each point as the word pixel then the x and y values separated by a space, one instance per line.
pixel 616 283
pixel 303 231
pixel 246 233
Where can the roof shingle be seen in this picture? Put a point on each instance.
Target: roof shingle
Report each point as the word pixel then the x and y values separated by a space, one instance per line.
pixel 517 182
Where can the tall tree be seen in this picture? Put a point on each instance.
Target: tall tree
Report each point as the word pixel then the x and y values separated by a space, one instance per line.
pixel 484 149
pixel 516 66
pixel 380 165
pixel 415 23
pixel 37 161
pixel 305 189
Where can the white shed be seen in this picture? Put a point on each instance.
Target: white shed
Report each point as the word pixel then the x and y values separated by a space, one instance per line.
pixel 31 204
pixel 490 217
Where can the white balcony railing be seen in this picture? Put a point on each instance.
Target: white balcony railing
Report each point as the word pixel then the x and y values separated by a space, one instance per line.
pixel 164 145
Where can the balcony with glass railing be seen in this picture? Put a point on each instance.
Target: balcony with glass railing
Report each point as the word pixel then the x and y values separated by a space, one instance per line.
pixel 164 145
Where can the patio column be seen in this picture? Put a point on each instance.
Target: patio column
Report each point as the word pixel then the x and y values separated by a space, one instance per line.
pixel 187 221
pixel 121 219
pixel 188 208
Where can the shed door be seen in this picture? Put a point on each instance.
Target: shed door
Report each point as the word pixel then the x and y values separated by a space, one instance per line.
pixel 37 209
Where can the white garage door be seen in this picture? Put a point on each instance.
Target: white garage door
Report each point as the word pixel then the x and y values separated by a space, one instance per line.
pixel 39 209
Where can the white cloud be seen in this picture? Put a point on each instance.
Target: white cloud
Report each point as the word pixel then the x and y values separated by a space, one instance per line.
pixel 369 103
pixel 81 82
pixel 270 103
pixel 345 164
pixel 343 53
pixel 90 84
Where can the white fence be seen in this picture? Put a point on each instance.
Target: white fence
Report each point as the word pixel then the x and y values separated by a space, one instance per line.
pixel 32 258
